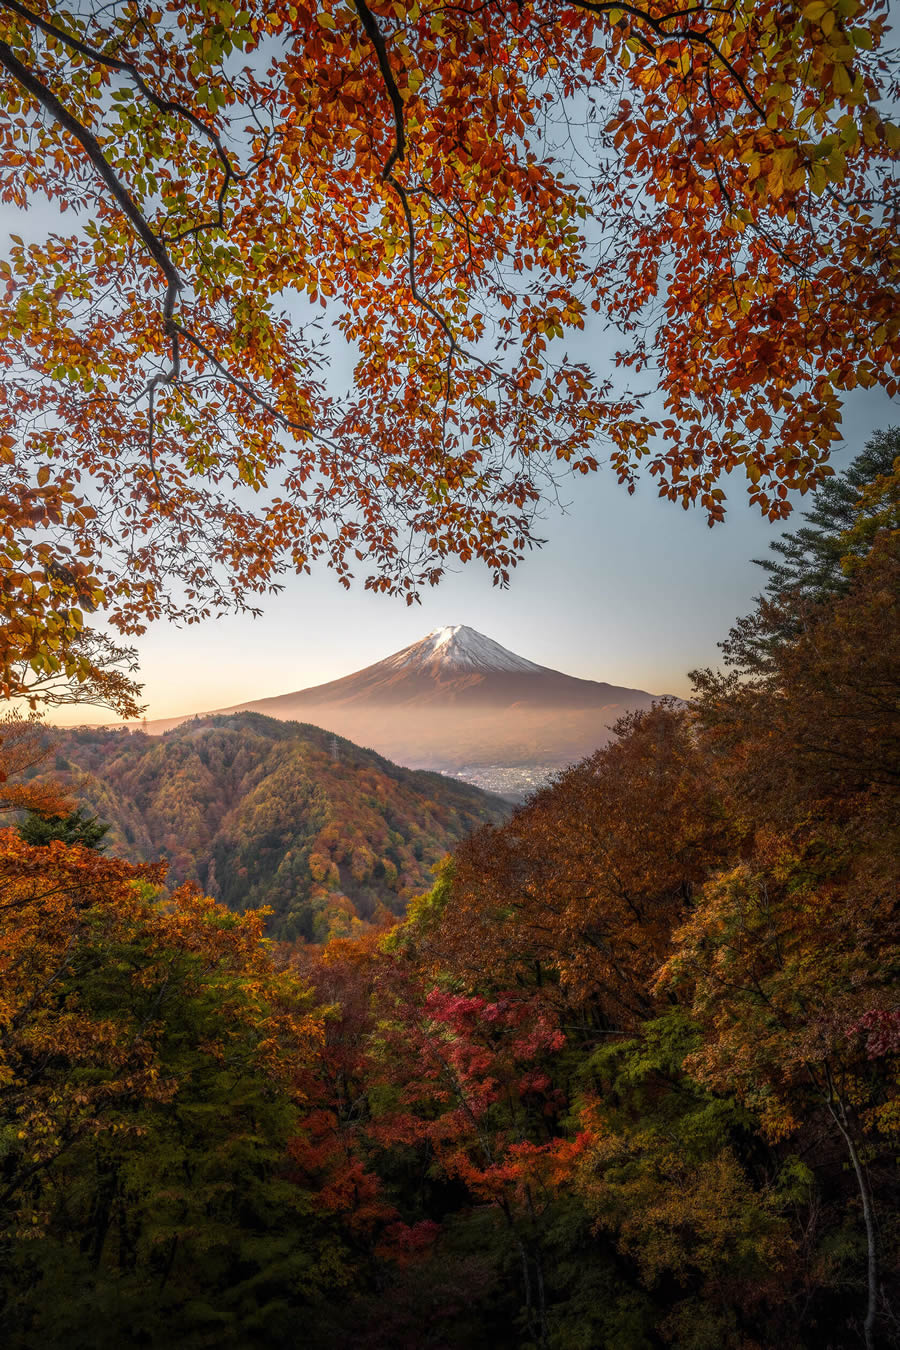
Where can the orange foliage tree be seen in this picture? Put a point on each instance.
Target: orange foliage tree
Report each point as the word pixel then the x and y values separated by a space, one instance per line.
pixel 151 1066
pixel 47 655
pixel 70 1063
pixel 169 444
pixel 23 746
pixel 581 890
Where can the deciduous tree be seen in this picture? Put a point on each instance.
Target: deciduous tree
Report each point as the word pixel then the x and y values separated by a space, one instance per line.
pixel 23 746
pixel 582 889
pixel 151 1060
pixel 460 187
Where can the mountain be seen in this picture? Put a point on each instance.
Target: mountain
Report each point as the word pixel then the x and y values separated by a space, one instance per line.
pixel 266 812
pixel 459 702
pixel 455 666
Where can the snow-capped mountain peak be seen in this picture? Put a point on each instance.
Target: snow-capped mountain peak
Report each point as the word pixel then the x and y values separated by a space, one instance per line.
pixel 458 647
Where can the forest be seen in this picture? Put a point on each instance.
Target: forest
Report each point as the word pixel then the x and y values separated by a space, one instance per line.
pixel 367 288
pixel 626 1076
pixel 268 814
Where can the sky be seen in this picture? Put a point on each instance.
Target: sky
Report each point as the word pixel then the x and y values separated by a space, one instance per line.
pixel 631 590
pixel 628 589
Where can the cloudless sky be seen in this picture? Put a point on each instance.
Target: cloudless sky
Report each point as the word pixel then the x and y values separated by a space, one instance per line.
pixel 631 590
pixel 627 589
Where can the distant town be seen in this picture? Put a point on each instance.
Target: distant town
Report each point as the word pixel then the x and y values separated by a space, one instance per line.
pixel 515 782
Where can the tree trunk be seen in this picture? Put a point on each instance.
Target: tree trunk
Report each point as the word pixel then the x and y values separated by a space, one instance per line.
pixel 869 1218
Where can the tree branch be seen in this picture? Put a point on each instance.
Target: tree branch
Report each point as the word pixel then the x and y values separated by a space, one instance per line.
pixel 128 68
pixel 104 170
pixel 376 37
pixel 40 91
pixel 680 35
pixel 302 428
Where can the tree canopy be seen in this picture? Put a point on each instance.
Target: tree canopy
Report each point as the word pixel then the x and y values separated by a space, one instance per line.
pixel 460 187
pixel 150 1082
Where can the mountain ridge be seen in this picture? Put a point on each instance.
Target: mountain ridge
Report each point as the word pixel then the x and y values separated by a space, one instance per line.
pixel 263 812
pixel 455 664
pixel 454 701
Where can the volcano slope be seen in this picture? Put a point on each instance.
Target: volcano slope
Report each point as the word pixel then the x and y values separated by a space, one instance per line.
pixel 458 701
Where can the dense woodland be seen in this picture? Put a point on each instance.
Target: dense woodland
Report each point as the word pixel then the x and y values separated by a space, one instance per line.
pixel 625 1077
pixel 263 813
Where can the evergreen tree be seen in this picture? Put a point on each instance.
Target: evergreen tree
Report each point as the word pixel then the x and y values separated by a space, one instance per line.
pixel 809 559
pixel 811 566
pixel 76 828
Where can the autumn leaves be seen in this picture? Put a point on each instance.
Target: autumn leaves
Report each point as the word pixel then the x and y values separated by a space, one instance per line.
pixel 726 209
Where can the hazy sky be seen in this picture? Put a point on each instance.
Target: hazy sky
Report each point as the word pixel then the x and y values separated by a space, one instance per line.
pixel 632 590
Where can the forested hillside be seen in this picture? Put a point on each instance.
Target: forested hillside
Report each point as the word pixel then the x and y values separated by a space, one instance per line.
pixel 630 1071
pixel 262 812
pixel 626 1078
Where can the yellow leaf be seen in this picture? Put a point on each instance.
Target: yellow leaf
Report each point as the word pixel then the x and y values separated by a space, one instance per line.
pixel 842 83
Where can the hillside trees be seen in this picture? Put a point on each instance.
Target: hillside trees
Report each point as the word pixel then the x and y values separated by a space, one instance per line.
pixel 815 669
pixel 259 814
pixel 170 445
pixel 150 1084
pixel 809 560
pixel 818 560
pixel 794 954
pixel 585 886
pixel 626 1077
pixel 788 968
pixel 634 1059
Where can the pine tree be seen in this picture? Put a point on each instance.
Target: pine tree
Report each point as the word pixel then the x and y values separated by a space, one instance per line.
pixel 76 828
pixel 810 558
pixel 811 567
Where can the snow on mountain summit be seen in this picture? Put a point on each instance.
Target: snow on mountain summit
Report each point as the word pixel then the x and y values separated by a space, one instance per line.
pixel 459 647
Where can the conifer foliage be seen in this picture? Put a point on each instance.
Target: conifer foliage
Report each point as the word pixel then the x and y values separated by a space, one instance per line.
pixel 76 828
